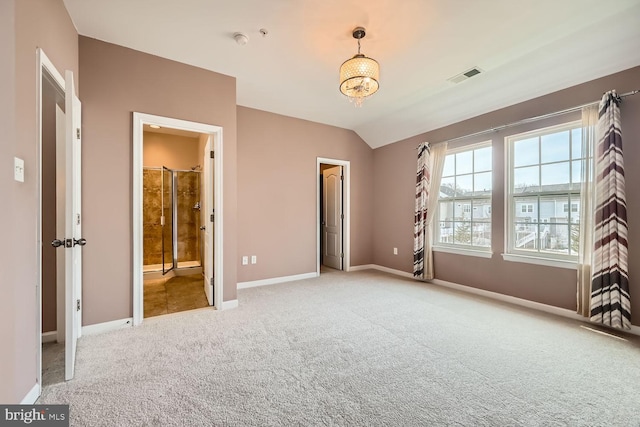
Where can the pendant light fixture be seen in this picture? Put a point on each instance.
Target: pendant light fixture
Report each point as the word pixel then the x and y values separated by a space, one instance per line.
pixel 359 75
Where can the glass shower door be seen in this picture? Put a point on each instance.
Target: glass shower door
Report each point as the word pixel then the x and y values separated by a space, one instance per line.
pixel 168 254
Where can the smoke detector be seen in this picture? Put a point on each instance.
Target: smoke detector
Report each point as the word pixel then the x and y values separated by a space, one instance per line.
pixel 465 75
pixel 241 38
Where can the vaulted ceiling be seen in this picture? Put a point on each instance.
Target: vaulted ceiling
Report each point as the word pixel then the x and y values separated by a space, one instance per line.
pixel 525 49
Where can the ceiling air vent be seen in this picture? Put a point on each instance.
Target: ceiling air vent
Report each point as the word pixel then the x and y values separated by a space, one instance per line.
pixel 466 75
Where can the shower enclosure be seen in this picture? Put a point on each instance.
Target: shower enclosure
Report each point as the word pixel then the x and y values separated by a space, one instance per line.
pixel 171 224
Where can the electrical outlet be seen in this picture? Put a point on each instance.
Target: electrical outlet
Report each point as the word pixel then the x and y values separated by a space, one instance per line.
pixel 254 259
pixel 245 260
pixel 395 251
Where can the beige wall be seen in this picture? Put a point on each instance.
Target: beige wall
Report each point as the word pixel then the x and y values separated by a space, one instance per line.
pixel 26 24
pixel 119 81
pixel 10 391
pixel 172 151
pixel 394 182
pixel 277 192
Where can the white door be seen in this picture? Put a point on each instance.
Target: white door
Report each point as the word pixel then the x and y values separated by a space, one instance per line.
pixel 73 227
pixel 209 218
pixel 332 217
pixel 61 224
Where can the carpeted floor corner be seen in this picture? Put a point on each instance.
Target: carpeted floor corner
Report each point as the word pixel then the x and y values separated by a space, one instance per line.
pixel 354 349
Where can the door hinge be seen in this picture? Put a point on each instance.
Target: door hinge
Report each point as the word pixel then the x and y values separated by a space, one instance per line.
pixel 211 281
pixel 213 156
pixel 341 216
pixel 78 305
pixel 211 218
pixel 341 255
pixel 78 219
pixel 77 133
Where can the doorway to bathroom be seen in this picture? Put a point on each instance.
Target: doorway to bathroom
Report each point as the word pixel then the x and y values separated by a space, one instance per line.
pixel 177 233
pixel 172 217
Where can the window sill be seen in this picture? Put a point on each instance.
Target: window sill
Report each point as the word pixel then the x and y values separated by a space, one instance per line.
pixel 462 251
pixel 548 262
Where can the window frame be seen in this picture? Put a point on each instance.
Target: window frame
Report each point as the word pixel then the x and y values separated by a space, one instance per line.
pixel 459 248
pixel 574 196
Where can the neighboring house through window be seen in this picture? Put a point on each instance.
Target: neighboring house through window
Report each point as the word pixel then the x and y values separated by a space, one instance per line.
pixel 544 174
pixel 464 207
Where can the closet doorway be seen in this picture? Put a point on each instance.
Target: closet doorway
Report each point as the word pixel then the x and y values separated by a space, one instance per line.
pixel 333 214
pixel 177 227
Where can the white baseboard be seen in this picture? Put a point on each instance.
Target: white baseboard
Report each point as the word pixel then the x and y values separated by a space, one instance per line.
pixel 509 299
pixel 228 305
pixel 32 396
pixel 362 267
pixel 563 312
pixel 49 336
pixel 381 268
pixel 113 325
pixel 275 280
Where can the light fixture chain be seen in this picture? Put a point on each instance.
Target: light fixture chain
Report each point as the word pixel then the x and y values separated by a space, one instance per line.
pixel 358 46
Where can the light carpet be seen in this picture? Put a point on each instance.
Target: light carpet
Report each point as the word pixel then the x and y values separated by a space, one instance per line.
pixel 354 349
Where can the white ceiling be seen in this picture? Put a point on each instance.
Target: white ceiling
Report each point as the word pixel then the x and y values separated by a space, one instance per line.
pixel 526 48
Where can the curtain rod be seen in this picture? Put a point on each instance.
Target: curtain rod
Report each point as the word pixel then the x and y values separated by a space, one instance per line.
pixel 533 119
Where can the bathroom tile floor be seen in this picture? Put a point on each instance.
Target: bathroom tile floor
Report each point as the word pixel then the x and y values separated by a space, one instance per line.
pixel 171 295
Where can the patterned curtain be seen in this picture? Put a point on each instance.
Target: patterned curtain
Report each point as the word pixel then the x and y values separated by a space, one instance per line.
pixel 610 302
pixel 428 177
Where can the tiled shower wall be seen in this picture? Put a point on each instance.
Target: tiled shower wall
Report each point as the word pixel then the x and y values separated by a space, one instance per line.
pixel 188 235
pixel 151 213
pixel 188 218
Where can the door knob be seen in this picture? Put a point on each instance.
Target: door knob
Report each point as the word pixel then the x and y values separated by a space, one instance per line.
pixel 203 228
pixel 80 242
pixel 57 243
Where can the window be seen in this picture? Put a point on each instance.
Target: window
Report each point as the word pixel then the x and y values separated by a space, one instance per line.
pixel 464 206
pixel 544 192
pixel 574 207
pixel 526 207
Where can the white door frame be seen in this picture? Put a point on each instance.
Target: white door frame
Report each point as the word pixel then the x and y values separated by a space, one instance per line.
pixel 346 206
pixel 139 120
pixel 43 64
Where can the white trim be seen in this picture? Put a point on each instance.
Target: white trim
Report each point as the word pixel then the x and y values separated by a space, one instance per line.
pixel 42 63
pixel 113 325
pixel 276 280
pixel 32 396
pixel 50 336
pixel 571 265
pixel 562 312
pixel 139 120
pixel 363 267
pixel 462 251
pixel 510 299
pixel 228 305
pixel 383 269
pixel 346 195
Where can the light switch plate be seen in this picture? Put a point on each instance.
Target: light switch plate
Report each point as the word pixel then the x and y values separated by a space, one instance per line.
pixel 254 259
pixel 245 260
pixel 18 169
